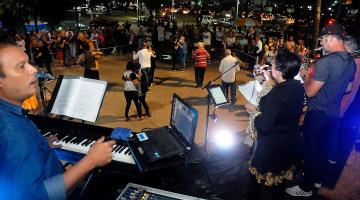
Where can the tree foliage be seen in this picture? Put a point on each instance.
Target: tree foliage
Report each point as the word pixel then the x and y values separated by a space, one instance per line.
pixel 14 13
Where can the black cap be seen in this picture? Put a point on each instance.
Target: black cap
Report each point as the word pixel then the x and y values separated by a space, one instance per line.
pixel 333 29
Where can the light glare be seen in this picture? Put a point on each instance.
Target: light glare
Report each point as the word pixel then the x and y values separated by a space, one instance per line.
pixel 224 139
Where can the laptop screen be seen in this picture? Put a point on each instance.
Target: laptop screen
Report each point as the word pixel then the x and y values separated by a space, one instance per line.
pixel 183 119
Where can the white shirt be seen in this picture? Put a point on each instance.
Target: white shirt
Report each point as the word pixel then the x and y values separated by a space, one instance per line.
pixel 161 33
pixel 230 42
pixel 225 64
pixel 144 56
pixel 259 46
pixel 207 38
pixel 219 36
pixel 128 85
pixel 168 35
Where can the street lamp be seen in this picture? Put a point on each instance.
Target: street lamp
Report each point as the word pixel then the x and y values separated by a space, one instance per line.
pixel 91 12
pixel 237 9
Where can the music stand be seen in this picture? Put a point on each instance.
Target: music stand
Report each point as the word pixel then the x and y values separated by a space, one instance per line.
pixel 216 95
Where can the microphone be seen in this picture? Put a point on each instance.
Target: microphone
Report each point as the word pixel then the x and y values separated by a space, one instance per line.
pixel 318 49
pixel 42 76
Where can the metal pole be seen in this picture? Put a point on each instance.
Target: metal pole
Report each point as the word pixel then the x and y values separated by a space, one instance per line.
pixel 237 9
pixel 207 122
pixel 137 11
pixel 172 8
pixel 237 13
pixel 91 11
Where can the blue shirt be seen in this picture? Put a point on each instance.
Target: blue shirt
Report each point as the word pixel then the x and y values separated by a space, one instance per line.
pixel 29 168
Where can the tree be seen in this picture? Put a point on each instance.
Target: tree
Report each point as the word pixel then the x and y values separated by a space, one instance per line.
pixel 15 13
pixel 317 21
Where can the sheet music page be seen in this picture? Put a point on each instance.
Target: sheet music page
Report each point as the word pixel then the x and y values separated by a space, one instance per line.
pixel 80 98
pixel 88 99
pixel 298 77
pixel 250 90
pixel 67 93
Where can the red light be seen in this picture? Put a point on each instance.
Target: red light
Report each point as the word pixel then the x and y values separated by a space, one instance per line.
pixel 330 21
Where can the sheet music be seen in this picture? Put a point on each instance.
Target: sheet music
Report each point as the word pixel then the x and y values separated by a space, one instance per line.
pixel 250 91
pixel 298 77
pixel 79 98
pixel 66 94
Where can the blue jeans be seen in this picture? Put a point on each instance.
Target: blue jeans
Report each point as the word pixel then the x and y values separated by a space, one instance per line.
pixel 182 59
pixel 225 88
pixel 146 72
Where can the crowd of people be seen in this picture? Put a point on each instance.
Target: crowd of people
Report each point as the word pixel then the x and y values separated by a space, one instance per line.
pixel 278 145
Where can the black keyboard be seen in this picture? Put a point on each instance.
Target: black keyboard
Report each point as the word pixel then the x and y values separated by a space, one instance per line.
pixel 166 142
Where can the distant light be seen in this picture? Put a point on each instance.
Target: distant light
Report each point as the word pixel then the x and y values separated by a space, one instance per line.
pixel 335 1
pixel 224 139
pixel 309 7
pixel 329 8
pixel 331 21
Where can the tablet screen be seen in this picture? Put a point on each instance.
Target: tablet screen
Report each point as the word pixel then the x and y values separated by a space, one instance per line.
pixel 217 95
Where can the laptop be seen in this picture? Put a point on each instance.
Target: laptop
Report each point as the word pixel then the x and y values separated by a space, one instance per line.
pixel 174 139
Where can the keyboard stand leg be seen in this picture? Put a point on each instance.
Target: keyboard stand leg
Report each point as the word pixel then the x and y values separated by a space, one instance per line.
pixel 88 180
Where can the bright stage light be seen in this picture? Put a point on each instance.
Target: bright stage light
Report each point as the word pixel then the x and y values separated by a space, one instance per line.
pixel 224 139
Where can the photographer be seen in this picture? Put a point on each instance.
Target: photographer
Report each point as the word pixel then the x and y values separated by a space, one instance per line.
pixel 259 69
pixel 181 47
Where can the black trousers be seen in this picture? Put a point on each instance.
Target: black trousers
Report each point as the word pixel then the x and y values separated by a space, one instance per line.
pixel 143 103
pixel 257 191
pixel 132 96
pixel 317 128
pixel 151 74
pixel 199 75
pixel 93 74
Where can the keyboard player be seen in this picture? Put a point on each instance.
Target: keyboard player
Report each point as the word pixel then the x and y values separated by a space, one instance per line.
pixel 29 168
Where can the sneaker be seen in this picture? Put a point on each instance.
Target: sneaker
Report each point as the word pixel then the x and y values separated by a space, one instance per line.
pixel 127 119
pixel 141 118
pixel 317 185
pixel 296 191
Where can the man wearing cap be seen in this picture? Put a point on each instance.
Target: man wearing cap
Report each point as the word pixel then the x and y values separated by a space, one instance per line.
pixel 333 74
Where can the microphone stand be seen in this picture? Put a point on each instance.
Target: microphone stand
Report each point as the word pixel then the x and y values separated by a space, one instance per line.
pixel 208 97
pixel 42 95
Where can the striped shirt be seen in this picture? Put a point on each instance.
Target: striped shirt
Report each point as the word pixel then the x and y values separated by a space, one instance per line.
pixel 200 57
